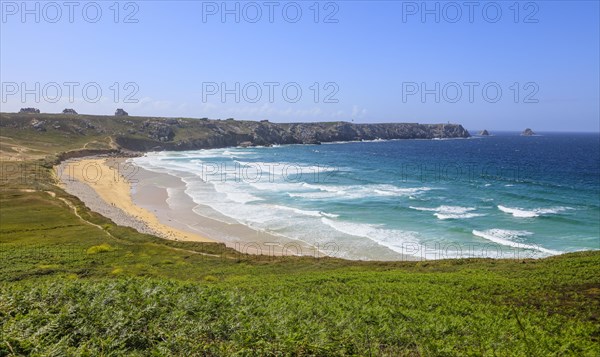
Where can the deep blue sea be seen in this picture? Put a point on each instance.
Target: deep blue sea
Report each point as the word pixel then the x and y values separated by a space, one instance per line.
pixel 498 196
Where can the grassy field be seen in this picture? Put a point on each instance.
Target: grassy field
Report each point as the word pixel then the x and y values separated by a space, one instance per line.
pixel 73 283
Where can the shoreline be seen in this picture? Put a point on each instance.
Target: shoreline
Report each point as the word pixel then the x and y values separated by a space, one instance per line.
pixel 156 203
pixel 165 196
pixel 106 191
pixel 144 203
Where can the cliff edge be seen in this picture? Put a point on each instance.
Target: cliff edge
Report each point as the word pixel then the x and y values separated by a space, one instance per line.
pixel 154 134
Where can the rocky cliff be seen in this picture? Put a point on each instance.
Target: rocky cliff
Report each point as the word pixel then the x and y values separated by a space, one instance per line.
pixel 233 133
pixel 145 134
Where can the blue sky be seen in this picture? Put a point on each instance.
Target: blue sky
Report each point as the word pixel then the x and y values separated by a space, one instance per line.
pixel 371 61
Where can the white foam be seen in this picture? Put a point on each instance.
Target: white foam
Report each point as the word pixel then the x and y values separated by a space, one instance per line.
pixel 458 216
pixel 390 238
pixel 357 191
pixel 508 237
pixel 237 152
pixel 450 212
pixel 170 194
pixel 325 188
pixel 310 195
pixel 235 194
pixel 298 211
pixel 306 212
pixel 233 204
pixel 522 213
pixel 287 168
pixel 330 215
pixel 277 186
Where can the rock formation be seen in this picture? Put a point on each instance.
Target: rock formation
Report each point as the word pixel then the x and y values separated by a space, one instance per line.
pixel 484 133
pixel 527 132
pixel 38 125
pixel 160 130
pixel 70 111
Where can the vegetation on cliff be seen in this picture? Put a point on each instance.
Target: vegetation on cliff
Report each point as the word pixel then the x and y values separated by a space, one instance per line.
pixel 144 133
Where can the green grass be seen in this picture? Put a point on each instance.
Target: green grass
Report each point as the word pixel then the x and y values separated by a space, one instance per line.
pixel 71 286
pixel 102 248
pixel 472 310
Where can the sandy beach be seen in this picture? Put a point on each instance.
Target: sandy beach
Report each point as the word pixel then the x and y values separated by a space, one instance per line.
pixel 110 195
pixel 157 204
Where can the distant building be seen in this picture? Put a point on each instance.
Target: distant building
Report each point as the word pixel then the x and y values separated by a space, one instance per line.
pixel 29 110
pixel 121 113
pixel 69 111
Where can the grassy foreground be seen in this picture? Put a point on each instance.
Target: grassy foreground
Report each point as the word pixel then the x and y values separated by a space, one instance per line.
pixel 73 283
pixel 465 308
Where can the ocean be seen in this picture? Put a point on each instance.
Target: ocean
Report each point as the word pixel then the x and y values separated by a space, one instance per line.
pixel 502 196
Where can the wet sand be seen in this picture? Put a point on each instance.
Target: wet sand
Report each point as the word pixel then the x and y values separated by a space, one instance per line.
pixel 156 203
pixel 108 192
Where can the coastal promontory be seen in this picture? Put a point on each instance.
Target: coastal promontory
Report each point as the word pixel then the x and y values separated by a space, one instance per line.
pixel 155 134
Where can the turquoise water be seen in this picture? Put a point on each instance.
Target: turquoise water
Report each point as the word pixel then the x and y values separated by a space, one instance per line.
pixel 499 196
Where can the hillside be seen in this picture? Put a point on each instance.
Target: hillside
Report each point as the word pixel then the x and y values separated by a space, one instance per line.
pixel 145 133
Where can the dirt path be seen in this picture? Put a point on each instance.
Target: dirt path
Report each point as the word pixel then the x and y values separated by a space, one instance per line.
pixel 74 209
pixel 108 140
